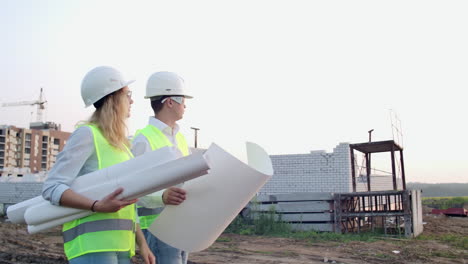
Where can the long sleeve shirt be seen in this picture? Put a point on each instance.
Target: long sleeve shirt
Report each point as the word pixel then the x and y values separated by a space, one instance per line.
pixel 141 145
pixel 77 158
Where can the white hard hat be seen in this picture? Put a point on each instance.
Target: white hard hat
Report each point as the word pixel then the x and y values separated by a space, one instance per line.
pixel 165 83
pixel 99 82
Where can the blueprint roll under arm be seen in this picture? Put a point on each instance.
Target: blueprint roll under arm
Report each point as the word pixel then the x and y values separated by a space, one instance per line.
pixel 140 176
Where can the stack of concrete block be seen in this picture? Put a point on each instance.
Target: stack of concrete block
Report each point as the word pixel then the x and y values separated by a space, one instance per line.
pixel 15 192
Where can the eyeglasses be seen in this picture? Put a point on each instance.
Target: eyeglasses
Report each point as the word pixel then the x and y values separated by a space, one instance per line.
pixel 129 94
pixel 178 99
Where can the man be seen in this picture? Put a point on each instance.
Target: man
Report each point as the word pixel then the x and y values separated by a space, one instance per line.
pixel 167 95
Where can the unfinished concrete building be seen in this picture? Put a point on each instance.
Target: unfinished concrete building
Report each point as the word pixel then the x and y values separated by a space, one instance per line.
pixel 35 148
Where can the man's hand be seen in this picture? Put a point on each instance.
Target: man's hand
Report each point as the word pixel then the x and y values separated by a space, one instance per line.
pixel 173 196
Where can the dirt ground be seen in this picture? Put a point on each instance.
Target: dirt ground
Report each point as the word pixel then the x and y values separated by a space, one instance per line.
pixel 435 246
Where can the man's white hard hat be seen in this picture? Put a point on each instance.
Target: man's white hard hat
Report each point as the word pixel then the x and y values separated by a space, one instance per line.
pixel 101 81
pixel 165 83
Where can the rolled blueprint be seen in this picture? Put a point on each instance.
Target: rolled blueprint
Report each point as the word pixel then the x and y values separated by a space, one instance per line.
pixel 135 184
pixel 214 200
pixel 83 183
pixel 15 212
pixel 33 229
pixel 140 176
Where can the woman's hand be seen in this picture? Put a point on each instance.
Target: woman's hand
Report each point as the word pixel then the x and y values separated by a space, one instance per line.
pixel 111 203
pixel 147 255
pixel 145 251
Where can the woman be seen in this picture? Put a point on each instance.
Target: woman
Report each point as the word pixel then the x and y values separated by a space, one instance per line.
pixel 108 236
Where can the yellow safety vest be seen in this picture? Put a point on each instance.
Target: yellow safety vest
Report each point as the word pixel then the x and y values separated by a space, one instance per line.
pixel 157 140
pixel 102 232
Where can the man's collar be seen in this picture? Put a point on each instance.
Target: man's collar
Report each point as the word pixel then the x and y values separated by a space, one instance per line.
pixel 163 126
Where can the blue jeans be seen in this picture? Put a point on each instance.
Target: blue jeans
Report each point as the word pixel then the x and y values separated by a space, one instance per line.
pixel 164 253
pixel 113 257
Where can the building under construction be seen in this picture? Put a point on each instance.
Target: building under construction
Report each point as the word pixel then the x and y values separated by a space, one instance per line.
pixel 35 148
pixel 24 151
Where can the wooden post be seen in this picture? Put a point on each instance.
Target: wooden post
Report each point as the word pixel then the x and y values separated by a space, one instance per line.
pixel 353 169
pixel 337 209
pixel 403 180
pixel 368 171
pixel 393 170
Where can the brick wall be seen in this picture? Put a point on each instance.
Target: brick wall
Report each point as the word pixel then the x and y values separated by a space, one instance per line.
pixel 317 171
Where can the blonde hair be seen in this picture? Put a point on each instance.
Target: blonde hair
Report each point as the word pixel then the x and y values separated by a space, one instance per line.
pixel 110 118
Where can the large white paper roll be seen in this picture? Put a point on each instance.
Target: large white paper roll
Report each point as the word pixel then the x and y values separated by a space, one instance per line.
pixel 140 176
pixel 136 184
pixel 214 200
pixel 15 212
pixel 82 184
pixel 33 229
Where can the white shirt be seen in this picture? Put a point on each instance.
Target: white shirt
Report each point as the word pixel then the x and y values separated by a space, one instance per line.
pixel 141 145
pixel 77 158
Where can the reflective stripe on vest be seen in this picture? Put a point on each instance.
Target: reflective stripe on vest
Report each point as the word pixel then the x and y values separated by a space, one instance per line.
pixel 143 211
pixel 96 226
pixel 158 140
pixel 102 232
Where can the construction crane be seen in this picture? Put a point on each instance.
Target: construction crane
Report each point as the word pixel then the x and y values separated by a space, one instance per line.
pixel 40 105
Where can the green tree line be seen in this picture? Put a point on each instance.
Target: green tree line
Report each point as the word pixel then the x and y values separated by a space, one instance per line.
pixel 440 189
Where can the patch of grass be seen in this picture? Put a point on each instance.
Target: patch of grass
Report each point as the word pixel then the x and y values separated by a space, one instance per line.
pixel 315 236
pixel 271 224
pixel 445 202
pixel 223 239
pixel 239 226
pixel 268 223
pixel 457 241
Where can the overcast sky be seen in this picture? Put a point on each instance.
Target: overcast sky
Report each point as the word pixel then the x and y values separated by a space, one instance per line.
pixel 291 76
